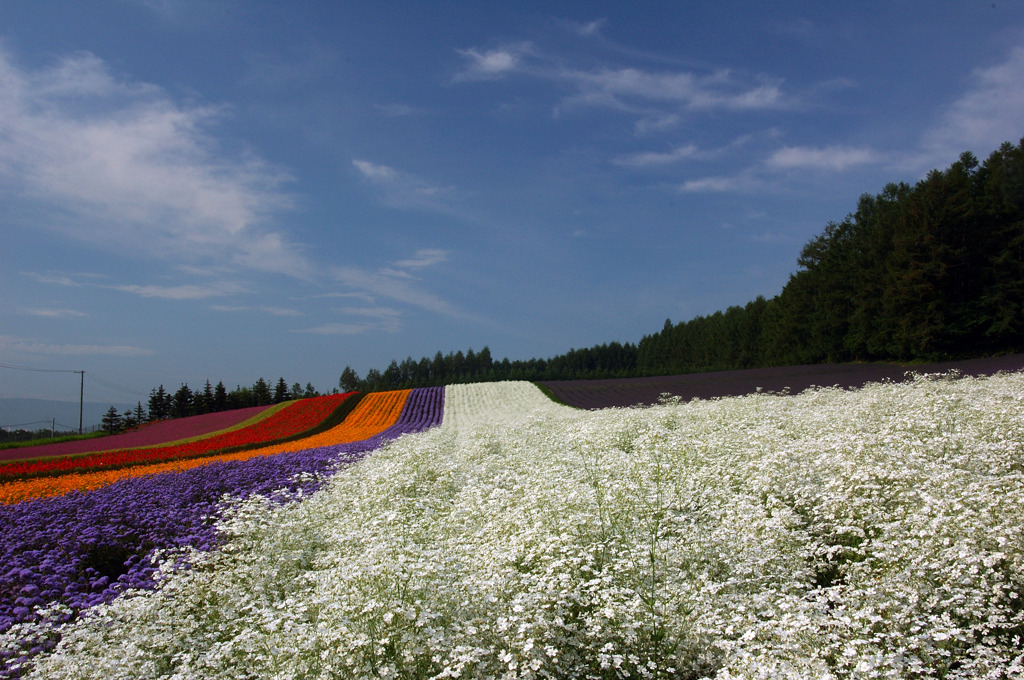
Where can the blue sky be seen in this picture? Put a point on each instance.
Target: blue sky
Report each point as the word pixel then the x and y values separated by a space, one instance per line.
pixel 230 190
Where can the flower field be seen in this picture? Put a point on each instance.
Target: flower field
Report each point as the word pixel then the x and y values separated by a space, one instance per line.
pixel 295 418
pixel 830 534
pixel 161 432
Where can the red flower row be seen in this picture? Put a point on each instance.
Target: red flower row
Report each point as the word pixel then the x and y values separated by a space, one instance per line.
pixel 159 433
pixel 294 419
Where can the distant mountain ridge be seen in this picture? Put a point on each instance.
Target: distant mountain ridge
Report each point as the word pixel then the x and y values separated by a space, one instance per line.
pixel 38 414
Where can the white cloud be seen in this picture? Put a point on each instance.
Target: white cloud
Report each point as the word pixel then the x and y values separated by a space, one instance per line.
pixel 263 309
pixel 989 113
pixel 16 345
pixel 589 28
pixel 396 282
pixel 384 319
pixel 120 164
pixel 657 123
pixel 336 328
pixel 490 64
pixel 386 284
pixel 375 171
pixel 649 158
pixel 632 89
pixel 400 189
pixel 712 185
pixel 656 96
pixel 424 257
pixel 57 279
pixel 828 158
pixel 183 292
pixel 55 313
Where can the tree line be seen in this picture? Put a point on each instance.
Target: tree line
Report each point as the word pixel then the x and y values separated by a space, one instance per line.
pixel 926 272
pixel 186 402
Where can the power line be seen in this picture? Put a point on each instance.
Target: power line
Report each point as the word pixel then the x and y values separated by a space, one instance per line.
pixel 81 387
pixel 113 386
pixel 37 370
pixel 90 376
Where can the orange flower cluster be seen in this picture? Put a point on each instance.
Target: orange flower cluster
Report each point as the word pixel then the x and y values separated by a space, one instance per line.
pixel 375 413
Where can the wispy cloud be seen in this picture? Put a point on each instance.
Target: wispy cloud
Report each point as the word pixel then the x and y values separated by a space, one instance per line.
pixel 182 292
pixel 261 309
pixel 987 114
pixel 55 313
pixel 654 95
pixel 136 170
pixel 400 189
pixel 393 285
pixel 491 64
pixel 375 171
pixel 56 279
pixel 657 158
pixel 632 88
pixel 715 185
pixel 425 257
pixel 398 281
pixel 17 345
pixel 367 319
pixel 587 29
pixel 836 158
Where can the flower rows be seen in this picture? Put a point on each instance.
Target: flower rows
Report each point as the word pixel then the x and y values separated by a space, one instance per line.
pixel 66 554
pixel 498 403
pixel 161 432
pixel 297 417
pixel 373 414
pixel 833 534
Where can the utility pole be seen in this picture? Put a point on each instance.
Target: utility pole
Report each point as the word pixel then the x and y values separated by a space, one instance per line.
pixel 81 400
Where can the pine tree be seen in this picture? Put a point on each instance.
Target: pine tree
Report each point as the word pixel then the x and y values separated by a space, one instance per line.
pixel 349 380
pixel 159 404
pixel 111 421
pixel 261 393
pixel 281 392
pixel 220 398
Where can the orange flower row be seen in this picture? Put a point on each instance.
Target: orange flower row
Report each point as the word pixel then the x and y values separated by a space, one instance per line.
pixel 376 412
pixel 297 417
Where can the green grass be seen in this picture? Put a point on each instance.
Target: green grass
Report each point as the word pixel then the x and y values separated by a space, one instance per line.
pixel 51 440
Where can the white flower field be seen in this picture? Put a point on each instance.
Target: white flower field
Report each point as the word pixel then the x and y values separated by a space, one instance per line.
pixel 831 534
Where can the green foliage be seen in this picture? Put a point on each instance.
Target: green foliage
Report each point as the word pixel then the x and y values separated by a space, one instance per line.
pixel 917 273
pixel 18 439
pixel 111 421
pixel 922 273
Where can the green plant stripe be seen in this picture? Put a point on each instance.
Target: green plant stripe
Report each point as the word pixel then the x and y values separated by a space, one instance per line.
pixel 335 418
pixel 551 395
pixel 54 440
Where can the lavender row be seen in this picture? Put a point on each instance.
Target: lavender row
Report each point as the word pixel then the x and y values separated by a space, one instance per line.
pixel 83 549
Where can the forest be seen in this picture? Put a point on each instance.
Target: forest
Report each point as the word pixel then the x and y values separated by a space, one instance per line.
pixel 928 272
pixel 919 273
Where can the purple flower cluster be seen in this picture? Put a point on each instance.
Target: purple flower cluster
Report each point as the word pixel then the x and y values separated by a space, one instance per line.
pixel 83 549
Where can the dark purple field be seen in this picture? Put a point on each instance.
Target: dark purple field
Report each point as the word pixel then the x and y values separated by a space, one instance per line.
pixel 592 394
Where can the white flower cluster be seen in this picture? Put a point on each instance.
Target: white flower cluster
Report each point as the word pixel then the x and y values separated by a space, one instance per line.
pixel 832 534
